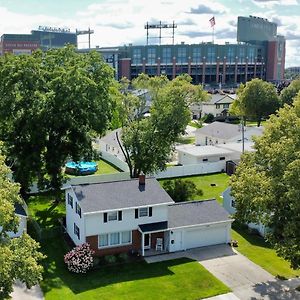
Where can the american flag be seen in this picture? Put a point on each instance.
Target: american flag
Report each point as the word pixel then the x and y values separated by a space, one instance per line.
pixel 212 22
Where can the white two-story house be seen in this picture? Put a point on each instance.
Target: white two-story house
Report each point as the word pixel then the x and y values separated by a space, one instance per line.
pixel 137 215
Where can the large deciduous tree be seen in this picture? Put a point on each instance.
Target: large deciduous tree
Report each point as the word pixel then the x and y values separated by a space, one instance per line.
pixel 256 100
pixel 147 142
pixel 19 257
pixel 266 185
pixel 51 106
pixel 288 94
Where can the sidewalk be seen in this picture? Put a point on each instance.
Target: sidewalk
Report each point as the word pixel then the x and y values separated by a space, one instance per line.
pixel 22 293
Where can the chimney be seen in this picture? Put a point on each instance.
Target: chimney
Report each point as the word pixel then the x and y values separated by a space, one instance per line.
pixel 142 179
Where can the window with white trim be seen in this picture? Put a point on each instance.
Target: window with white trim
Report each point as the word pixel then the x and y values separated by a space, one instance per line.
pixel 70 200
pixel 114 239
pixel 232 203
pixel 103 240
pixel 78 209
pixel 112 216
pixel 143 212
pixel 77 231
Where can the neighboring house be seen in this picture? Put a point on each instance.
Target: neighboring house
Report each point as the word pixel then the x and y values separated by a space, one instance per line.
pixel 109 144
pixel 145 96
pixel 218 105
pixel 191 154
pixel 229 205
pixel 20 211
pixel 138 215
pixel 221 133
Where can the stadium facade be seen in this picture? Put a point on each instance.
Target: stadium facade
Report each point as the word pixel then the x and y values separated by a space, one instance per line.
pixel 258 53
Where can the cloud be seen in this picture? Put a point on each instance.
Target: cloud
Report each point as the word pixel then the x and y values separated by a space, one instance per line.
pixel 203 9
pixel 123 25
pixel 186 22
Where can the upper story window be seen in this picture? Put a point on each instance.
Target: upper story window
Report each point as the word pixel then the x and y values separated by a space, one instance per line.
pixel 232 203
pixel 137 56
pixel 218 106
pixel 112 216
pixel 151 56
pixel 196 55
pixel 181 57
pixel 143 212
pixel 70 200
pixel 166 56
pixel 78 209
pixel 226 105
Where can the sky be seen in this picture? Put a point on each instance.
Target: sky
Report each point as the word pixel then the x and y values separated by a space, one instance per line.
pixel 119 22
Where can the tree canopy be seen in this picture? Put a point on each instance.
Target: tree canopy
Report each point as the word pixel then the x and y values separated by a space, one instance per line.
pixel 19 257
pixel 288 94
pixel 255 100
pixel 147 142
pixel 266 185
pixel 51 106
pixel 181 190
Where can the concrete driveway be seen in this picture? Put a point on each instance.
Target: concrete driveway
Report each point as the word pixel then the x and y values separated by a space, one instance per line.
pixel 246 279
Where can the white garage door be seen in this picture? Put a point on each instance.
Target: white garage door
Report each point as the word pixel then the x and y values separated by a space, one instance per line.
pixel 205 236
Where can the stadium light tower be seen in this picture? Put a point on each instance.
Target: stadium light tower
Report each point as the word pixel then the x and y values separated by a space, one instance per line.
pixel 84 32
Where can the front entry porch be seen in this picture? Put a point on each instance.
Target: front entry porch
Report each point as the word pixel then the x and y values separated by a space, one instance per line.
pixel 154 238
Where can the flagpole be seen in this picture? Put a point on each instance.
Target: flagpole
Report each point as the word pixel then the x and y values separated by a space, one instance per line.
pixel 213 34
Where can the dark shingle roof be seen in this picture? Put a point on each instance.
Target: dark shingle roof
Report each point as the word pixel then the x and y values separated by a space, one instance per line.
pixel 154 226
pixel 19 210
pixel 120 194
pixel 196 213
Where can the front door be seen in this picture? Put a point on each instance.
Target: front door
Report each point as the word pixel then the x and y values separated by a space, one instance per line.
pixel 147 241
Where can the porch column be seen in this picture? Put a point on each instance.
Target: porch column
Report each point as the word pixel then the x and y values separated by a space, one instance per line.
pixel 143 244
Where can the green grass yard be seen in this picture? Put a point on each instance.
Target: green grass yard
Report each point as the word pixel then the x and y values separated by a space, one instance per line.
pixel 256 249
pixel 173 279
pixel 105 168
pixel 203 182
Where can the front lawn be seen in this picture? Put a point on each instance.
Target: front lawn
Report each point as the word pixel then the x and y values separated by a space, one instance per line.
pixel 173 279
pixel 256 249
pixel 212 185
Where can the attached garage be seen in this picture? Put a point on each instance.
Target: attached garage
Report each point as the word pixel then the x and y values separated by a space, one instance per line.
pixel 196 224
pixel 205 236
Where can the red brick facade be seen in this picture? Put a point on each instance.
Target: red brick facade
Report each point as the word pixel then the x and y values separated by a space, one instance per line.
pixel 135 246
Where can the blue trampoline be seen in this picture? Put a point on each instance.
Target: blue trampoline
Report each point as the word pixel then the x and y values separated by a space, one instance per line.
pixel 81 168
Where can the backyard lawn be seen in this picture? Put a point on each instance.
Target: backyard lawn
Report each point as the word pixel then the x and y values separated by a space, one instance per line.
pixel 203 182
pixel 105 168
pixel 256 249
pixel 173 279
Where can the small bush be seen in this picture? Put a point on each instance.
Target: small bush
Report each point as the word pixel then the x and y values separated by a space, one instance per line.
pixel 123 257
pixel 209 118
pixel 79 259
pixel 110 259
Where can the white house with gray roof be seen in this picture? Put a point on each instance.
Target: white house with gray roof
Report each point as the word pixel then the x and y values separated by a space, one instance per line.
pixel 218 105
pixel 222 133
pixel 137 215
